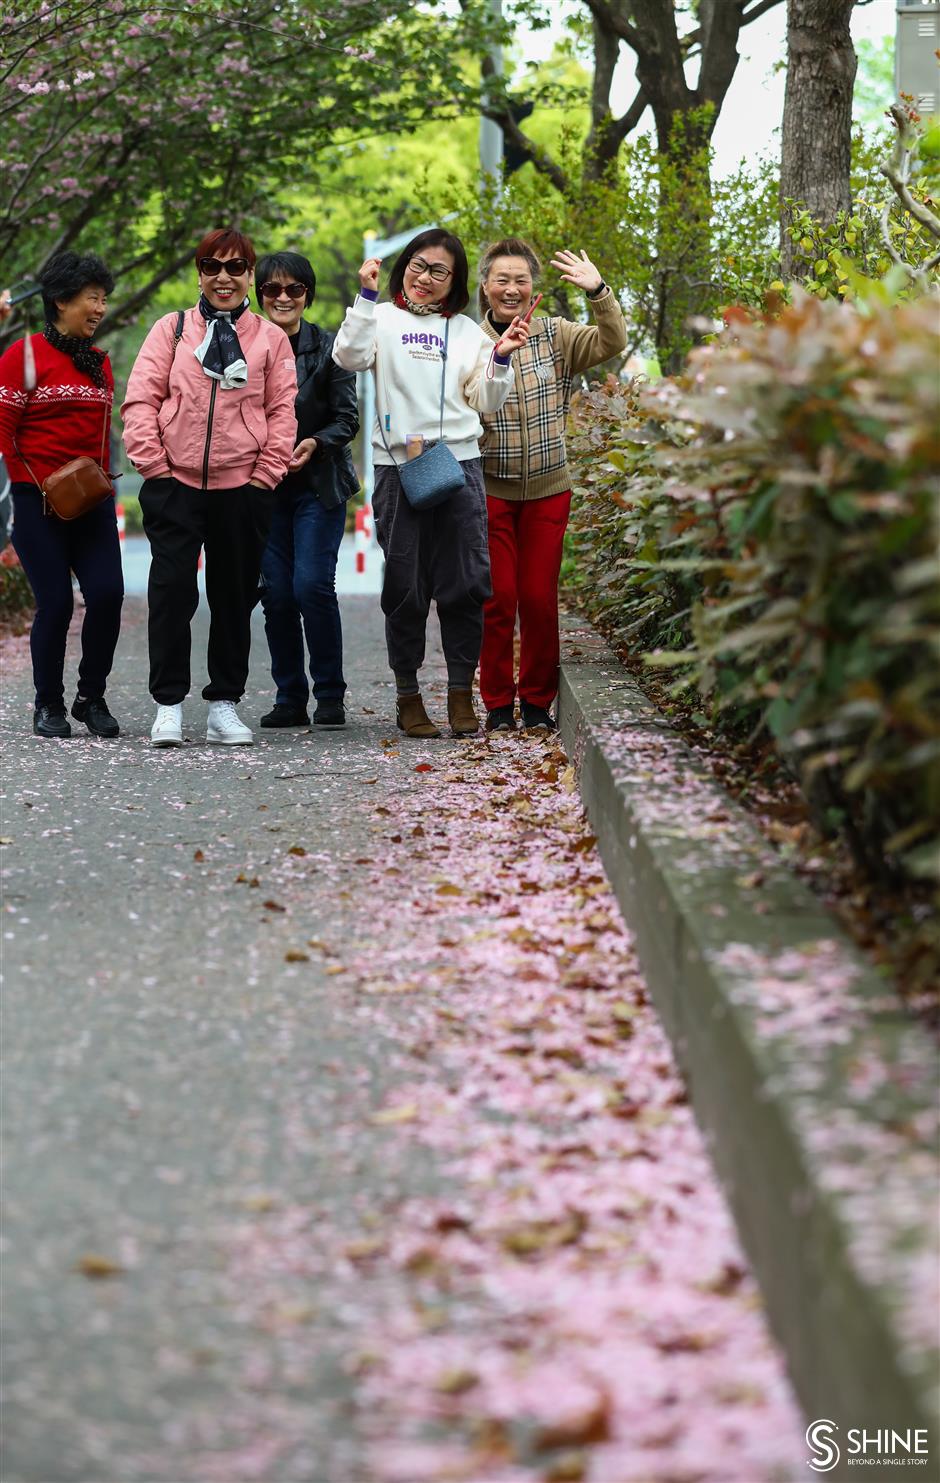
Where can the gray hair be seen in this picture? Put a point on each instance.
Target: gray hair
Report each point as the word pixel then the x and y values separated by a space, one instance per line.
pixel 506 247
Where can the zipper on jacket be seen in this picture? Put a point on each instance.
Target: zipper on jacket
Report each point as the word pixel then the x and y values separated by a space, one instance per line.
pixel 205 457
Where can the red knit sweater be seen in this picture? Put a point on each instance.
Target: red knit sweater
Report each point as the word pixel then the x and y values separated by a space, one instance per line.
pixel 60 419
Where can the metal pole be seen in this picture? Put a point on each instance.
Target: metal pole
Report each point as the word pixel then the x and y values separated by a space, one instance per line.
pixel 367 397
pixel 491 135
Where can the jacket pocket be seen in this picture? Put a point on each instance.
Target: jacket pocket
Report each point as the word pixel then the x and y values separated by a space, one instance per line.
pixel 168 413
pixel 253 422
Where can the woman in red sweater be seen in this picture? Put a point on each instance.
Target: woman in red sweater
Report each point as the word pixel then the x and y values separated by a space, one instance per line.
pixel 48 417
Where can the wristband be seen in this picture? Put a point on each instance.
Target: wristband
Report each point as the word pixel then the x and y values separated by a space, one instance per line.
pixel 596 293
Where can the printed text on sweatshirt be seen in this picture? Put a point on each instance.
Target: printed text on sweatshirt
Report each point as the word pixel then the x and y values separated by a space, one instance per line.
pixel 405 350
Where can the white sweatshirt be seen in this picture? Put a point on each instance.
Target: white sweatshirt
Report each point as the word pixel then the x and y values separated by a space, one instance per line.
pixel 405 350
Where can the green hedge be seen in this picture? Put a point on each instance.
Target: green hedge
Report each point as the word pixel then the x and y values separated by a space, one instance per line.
pixel 16 595
pixel 767 525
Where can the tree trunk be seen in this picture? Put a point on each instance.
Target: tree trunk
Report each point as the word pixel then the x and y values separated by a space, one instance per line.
pixel 683 230
pixel 817 115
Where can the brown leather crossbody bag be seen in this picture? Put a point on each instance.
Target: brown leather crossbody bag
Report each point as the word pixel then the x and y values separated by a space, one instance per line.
pixel 76 487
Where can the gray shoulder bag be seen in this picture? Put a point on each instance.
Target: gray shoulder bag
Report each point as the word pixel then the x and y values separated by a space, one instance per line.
pixel 435 474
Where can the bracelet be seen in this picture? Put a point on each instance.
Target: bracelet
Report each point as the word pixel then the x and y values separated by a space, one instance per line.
pixel 596 293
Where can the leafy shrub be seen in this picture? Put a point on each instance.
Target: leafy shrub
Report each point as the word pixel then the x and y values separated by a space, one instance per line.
pixel 768 523
pixel 16 595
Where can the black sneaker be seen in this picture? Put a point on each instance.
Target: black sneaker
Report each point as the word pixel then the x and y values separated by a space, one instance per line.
pixel 501 718
pixel 96 716
pixel 330 714
pixel 51 720
pixel 286 715
pixel 536 718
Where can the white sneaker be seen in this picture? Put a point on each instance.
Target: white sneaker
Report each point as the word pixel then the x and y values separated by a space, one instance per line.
pixel 167 729
pixel 225 727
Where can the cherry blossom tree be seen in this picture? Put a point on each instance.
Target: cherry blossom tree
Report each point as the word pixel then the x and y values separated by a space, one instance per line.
pixel 129 129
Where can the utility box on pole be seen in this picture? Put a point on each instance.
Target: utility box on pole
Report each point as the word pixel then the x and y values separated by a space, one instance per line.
pixel 915 53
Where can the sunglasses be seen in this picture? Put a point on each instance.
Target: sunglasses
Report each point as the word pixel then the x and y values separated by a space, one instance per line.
pixel 233 266
pixel 437 271
pixel 274 290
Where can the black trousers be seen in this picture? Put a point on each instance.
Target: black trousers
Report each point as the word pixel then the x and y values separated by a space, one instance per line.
pixel 232 525
pixel 441 554
pixel 50 550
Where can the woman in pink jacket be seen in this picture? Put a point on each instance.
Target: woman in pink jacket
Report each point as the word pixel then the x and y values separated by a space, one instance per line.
pixel 209 423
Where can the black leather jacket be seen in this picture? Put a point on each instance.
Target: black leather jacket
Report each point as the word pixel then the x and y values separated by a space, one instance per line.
pixel 327 409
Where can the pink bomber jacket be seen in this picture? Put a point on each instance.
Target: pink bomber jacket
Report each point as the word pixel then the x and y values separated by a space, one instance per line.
pixel 178 421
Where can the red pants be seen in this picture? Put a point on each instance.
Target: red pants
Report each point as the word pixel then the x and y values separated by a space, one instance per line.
pixel 526 539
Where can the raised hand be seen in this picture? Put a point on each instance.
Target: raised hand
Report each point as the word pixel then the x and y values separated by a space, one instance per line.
pixel 369 273
pixel 578 269
pixel 514 338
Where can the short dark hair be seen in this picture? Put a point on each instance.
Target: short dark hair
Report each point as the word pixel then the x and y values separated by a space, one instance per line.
pixel 226 239
pixel 289 265
pixel 66 274
pixel 458 296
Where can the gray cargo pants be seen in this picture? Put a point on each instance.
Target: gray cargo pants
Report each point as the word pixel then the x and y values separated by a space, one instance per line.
pixel 440 554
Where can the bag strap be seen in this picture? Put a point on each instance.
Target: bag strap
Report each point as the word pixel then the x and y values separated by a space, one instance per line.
pixel 443 377
pixel 104 433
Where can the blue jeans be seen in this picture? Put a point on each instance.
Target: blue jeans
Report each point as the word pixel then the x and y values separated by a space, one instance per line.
pixel 298 572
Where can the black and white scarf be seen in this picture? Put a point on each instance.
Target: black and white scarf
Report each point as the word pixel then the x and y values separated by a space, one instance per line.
pixel 220 354
pixel 80 351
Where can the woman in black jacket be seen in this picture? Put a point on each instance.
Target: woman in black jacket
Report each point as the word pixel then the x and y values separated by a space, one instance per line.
pixel 298 570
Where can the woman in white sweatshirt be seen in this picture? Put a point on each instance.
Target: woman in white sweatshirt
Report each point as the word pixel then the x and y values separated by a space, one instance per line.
pixel 439 553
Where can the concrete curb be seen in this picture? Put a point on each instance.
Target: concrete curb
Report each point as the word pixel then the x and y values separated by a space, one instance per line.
pixel 817 1092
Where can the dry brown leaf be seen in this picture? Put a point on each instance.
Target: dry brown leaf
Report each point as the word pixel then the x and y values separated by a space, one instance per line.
pixel 273 906
pixel 579 1429
pixel 456 1382
pixel 296 849
pixel 198 855
pixel 364 1250
pixel 406 1112
pixel 587 842
pixel 294 955
pixel 97 1267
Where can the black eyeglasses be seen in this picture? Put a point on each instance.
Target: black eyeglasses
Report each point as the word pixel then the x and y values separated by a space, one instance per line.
pixel 234 266
pixel 437 271
pixel 274 290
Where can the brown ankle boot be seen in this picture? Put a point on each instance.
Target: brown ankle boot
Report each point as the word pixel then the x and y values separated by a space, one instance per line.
pixel 460 712
pixel 412 718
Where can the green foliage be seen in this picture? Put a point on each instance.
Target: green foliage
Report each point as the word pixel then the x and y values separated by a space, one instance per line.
pixel 16 595
pixel 768 523
pixel 130 131
pixel 874 80
pixel 655 225
pixel 865 247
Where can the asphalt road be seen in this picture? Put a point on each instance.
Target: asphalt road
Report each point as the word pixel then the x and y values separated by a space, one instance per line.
pixel 235 979
pixel 165 1070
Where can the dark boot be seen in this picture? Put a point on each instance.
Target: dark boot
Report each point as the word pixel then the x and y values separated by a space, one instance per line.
pixel 95 714
pixel 536 717
pixel 501 718
pixel 51 721
pixel 329 715
pixel 285 715
pixel 460 712
pixel 413 719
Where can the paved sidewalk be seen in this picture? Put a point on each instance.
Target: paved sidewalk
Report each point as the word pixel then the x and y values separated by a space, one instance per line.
pixel 340 1143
